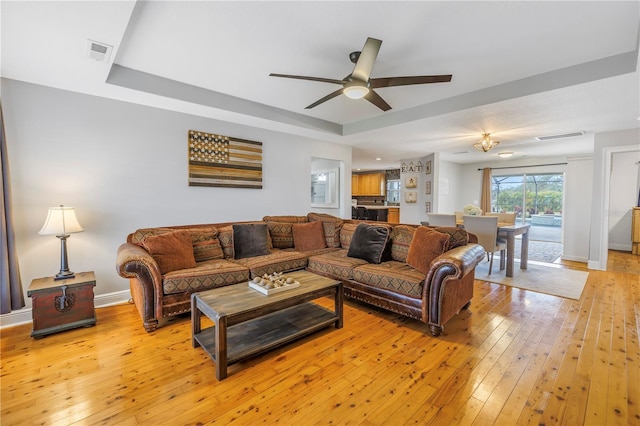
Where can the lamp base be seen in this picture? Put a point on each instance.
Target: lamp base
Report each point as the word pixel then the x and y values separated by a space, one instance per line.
pixel 64 275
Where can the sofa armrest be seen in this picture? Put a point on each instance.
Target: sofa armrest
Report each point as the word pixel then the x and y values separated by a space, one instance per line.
pixel 463 259
pixel 136 263
pixel 443 294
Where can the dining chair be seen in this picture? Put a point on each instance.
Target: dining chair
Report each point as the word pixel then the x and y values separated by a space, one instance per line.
pixel 441 219
pixel 363 213
pixel 504 218
pixel 486 229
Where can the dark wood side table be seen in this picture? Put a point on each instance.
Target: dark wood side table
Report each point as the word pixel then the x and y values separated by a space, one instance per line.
pixel 62 305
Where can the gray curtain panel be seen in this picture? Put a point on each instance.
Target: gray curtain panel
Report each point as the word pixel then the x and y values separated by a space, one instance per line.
pixel 11 296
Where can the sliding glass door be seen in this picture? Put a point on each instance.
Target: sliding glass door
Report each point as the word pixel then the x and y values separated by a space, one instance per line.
pixel 529 195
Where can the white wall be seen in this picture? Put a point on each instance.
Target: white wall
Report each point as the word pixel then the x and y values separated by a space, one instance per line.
pixel 605 146
pixel 622 197
pixel 123 167
pixel 577 210
pixel 446 189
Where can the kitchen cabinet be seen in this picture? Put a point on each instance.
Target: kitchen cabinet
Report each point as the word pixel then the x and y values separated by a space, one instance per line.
pixel 368 184
pixel 393 215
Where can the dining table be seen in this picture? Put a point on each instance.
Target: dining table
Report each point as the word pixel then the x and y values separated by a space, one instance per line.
pixel 510 231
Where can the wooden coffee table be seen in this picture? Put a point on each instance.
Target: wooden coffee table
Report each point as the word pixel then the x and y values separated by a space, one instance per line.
pixel 247 322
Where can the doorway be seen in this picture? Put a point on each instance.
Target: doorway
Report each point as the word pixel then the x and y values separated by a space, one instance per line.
pixel 537 200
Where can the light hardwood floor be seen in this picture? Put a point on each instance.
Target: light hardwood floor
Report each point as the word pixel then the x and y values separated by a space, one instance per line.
pixel 515 357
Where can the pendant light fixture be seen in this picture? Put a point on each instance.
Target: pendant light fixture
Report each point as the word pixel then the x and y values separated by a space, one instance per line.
pixel 486 143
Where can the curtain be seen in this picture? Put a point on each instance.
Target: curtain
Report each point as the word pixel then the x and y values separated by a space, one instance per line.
pixel 11 296
pixel 485 195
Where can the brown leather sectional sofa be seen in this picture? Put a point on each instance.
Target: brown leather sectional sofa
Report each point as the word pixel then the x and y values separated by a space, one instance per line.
pixel 165 265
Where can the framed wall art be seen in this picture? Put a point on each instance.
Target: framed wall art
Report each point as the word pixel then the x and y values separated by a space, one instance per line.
pixel 411 182
pixel 427 168
pixel 427 185
pixel 411 196
pixel 216 160
pixel 427 207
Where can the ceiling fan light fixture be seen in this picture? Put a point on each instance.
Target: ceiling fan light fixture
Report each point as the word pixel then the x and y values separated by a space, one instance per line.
pixel 486 143
pixel 356 91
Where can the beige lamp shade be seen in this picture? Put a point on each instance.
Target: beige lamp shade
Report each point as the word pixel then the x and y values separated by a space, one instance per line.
pixel 61 220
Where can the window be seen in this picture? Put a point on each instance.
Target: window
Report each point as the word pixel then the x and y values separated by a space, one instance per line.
pixel 393 191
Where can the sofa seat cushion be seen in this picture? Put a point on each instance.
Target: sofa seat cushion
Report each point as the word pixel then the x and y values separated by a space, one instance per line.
pixel 391 275
pixel 335 264
pixel 204 276
pixel 316 252
pixel 277 261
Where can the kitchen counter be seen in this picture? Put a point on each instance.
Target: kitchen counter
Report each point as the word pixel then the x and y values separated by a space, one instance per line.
pixel 377 207
pixel 383 213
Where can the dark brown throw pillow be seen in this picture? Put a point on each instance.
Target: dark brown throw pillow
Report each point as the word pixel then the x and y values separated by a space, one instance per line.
pixel 171 251
pixel 309 236
pixel 427 244
pixel 369 242
pixel 250 240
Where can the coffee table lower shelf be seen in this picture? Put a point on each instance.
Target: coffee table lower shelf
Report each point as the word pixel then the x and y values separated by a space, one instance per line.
pixel 264 333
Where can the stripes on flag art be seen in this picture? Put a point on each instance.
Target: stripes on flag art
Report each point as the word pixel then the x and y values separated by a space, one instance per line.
pixel 216 160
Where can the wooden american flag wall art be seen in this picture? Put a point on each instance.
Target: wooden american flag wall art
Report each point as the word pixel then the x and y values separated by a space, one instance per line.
pixel 216 160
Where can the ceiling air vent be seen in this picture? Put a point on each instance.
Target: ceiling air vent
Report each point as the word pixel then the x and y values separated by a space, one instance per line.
pixel 561 136
pixel 98 51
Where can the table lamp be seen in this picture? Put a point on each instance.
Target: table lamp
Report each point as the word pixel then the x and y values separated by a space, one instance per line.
pixel 61 221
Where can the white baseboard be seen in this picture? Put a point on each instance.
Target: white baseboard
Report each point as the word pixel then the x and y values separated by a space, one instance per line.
pixel 24 316
pixel 597 265
pixel 620 247
pixel 575 258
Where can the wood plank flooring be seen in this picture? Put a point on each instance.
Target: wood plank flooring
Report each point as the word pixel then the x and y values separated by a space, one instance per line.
pixel 514 358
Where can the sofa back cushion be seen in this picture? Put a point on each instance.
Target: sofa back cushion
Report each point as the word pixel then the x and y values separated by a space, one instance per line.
pixel 309 236
pixel 457 236
pixel 332 226
pixel 346 234
pixel 250 240
pixel 427 244
pixel 171 251
pixel 369 242
pixel 204 239
pixel 401 237
pixel 281 229
pixel 281 234
pixel 286 219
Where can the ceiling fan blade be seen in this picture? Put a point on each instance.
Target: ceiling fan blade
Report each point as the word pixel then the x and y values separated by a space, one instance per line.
pixel 368 55
pixel 325 99
pixel 377 100
pixel 404 81
pixel 302 77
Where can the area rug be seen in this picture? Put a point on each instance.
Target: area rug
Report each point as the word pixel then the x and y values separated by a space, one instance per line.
pixel 538 277
pixel 541 251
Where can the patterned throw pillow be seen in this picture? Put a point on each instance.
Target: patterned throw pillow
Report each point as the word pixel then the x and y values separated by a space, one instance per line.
pixel 171 251
pixel 401 237
pixel 427 244
pixel 309 236
pixel 457 237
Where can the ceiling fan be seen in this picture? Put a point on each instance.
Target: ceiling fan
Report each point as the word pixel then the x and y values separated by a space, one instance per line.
pixel 358 84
